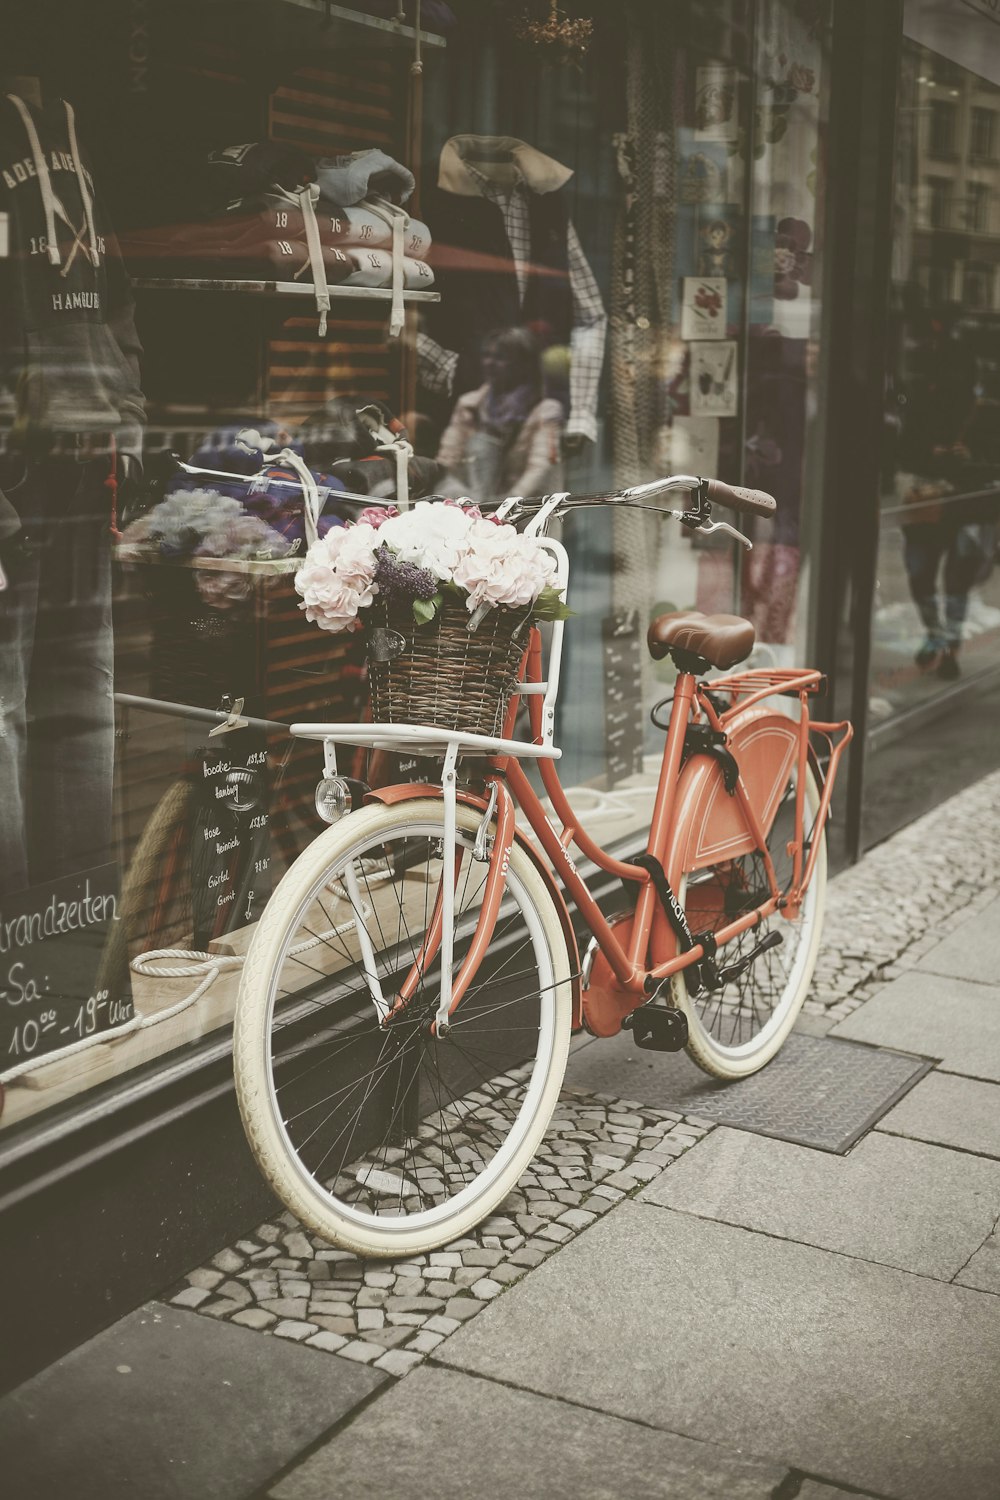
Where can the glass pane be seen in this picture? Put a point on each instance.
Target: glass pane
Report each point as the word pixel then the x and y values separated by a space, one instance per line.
pixel 937 611
pixel 609 270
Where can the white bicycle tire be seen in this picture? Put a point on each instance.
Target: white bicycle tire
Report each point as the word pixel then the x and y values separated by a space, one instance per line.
pixel 739 1062
pixel 265 1134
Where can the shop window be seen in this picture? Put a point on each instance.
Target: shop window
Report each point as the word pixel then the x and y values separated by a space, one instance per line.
pixel 936 621
pixel 611 269
pixel 977 207
pixel 982 137
pixel 940 282
pixel 977 288
pixel 939 202
pixel 943 71
pixel 943 121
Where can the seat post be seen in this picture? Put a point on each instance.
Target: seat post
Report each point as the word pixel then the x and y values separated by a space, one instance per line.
pixel 673 751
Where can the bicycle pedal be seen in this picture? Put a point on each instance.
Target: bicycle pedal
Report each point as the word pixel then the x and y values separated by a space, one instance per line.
pixel 658 1028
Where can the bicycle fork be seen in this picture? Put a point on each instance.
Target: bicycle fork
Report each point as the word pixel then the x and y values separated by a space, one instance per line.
pixel 440 934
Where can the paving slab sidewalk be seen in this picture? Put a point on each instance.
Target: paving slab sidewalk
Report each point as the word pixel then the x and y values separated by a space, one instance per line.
pixel 744 1317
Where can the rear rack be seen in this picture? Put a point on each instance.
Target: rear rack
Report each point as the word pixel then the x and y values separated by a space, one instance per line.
pixel 745 688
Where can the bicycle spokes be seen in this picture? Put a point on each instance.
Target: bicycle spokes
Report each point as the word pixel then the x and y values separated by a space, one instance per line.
pixel 389 1117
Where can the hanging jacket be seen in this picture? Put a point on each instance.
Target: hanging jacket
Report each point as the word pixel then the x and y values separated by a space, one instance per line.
pixel 475 274
pixel 69 352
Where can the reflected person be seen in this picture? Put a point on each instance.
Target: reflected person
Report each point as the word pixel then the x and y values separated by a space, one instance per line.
pixel 504 438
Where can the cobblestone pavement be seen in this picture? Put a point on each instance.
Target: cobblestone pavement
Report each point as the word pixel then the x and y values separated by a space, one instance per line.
pixel 283 1281
pixel 880 917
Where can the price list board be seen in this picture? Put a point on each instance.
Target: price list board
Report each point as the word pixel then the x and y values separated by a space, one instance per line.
pixel 622 695
pixel 57 983
pixel 230 839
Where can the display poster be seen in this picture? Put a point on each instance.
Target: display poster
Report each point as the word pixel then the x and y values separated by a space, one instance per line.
pixel 56 985
pixel 703 309
pixel 715 103
pixel 714 379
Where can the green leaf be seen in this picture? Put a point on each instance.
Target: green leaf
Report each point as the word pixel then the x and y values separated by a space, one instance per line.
pixel 424 610
pixel 550 605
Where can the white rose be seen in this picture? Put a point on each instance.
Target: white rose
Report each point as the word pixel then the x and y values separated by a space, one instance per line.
pixel 430 535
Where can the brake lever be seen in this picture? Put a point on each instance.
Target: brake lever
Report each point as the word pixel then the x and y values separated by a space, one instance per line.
pixel 709 526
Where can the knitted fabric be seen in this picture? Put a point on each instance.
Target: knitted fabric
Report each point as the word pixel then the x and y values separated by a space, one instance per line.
pixel 642 297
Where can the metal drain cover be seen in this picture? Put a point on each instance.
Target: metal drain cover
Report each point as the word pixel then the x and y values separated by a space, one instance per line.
pixel 818 1091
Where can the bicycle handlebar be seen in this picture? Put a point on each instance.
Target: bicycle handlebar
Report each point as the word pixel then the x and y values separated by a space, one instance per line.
pixel 756 502
pixel 736 497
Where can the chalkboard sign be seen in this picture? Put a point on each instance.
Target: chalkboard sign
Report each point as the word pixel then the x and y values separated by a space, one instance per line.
pixel 622 695
pixel 55 987
pixel 231 840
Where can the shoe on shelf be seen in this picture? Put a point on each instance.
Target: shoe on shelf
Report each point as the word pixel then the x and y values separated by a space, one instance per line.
pixel 948 668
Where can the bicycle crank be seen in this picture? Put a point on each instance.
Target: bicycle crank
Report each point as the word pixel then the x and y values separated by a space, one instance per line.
pixel 714 978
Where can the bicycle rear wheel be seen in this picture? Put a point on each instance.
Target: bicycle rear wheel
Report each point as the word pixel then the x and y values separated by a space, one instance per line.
pixel 388 1140
pixel 737 1029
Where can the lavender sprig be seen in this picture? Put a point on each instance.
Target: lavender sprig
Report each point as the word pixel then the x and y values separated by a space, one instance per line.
pixel 402 582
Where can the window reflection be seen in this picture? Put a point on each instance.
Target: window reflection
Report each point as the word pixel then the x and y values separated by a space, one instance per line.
pixel 937 613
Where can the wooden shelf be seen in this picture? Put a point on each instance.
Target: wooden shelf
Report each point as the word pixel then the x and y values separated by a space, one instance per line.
pixel 253 566
pixel 381 29
pixel 257 288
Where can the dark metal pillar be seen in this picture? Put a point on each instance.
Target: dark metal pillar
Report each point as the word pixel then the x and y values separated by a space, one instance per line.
pixel 867 40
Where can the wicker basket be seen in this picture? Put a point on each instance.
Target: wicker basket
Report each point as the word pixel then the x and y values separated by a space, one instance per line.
pixel 445 675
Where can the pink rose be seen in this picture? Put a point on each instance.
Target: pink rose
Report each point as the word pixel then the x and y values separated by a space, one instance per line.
pixel 374 515
pixel 472 510
pixel 503 567
pixel 337 577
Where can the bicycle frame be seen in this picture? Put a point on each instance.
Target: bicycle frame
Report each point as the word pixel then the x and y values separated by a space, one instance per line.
pixel 693 818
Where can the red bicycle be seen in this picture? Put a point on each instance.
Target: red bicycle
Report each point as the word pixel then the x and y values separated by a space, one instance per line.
pixel 408 998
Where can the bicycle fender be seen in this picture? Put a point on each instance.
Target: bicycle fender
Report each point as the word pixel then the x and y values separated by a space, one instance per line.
pixel 709 823
pixel 410 791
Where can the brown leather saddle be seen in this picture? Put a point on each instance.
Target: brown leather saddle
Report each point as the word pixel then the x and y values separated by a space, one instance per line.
pixel 720 640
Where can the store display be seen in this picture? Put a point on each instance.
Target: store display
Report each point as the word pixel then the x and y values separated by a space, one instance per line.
pixel 233 174
pixel 703 310
pixel 69 359
pixel 714 379
pixel 349 179
pixel 715 114
pixel 336 221
pixel 292 157
pixel 509 256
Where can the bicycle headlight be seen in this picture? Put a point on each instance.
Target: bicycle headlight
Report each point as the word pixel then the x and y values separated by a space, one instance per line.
pixel 333 798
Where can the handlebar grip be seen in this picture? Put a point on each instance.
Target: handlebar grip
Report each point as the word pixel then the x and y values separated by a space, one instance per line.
pixel 757 502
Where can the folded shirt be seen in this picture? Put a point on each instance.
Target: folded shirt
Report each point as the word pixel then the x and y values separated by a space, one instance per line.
pixel 374 268
pixel 270 242
pixel 345 180
pixel 359 226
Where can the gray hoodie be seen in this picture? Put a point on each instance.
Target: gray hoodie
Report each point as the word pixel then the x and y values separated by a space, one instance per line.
pixel 69 353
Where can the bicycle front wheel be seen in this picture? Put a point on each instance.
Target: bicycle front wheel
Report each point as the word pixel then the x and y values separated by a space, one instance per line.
pixel 735 1030
pixel 390 1140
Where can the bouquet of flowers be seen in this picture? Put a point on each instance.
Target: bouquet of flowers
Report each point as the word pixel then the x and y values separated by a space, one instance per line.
pixel 204 523
pixel 436 551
